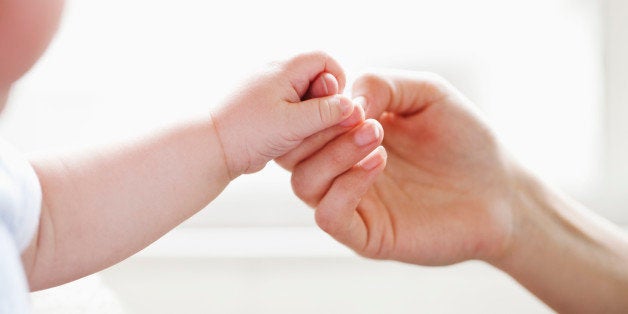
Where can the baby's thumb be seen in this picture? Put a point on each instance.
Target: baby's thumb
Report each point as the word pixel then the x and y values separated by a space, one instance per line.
pixel 314 115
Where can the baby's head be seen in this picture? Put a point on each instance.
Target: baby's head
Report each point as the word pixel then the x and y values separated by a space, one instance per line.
pixel 26 28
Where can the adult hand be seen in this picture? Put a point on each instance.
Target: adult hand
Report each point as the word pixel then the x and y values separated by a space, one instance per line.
pixel 445 194
pixel 449 193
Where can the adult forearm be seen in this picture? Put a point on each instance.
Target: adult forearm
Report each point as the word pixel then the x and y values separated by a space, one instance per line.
pixel 570 258
pixel 99 208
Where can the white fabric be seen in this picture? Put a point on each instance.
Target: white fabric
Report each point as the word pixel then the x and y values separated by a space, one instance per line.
pixel 20 204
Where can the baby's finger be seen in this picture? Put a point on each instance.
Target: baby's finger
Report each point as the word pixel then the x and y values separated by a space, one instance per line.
pixel 336 213
pixel 308 117
pixel 315 142
pixel 324 85
pixel 302 69
pixel 312 178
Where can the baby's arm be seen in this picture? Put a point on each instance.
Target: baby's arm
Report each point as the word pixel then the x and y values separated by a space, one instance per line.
pixel 99 208
pixel 102 207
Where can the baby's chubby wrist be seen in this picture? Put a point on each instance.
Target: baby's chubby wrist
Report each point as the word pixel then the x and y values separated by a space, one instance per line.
pixel 221 147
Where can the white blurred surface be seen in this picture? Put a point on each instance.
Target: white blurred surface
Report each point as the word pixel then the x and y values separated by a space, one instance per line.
pixel 280 270
pixel 121 68
pixel 287 285
pixel 313 285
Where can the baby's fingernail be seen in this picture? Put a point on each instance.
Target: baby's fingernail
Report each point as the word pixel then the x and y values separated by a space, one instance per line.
pixel 361 101
pixel 356 117
pixel 325 89
pixel 367 134
pixel 373 160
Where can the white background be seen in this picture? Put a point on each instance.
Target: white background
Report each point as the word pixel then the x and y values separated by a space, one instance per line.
pixel 121 68
pixel 551 75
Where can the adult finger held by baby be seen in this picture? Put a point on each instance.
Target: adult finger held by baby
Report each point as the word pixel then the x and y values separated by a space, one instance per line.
pixel 400 92
pixel 318 140
pixel 311 116
pixel 312 178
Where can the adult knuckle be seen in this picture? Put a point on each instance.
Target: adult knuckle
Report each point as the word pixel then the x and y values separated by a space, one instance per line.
pixel 286 162
pixel 301 186
pixel 326 220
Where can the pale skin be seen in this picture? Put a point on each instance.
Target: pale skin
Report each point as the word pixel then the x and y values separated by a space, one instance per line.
pixel 450 193
pixel 439 189
pixel 102 206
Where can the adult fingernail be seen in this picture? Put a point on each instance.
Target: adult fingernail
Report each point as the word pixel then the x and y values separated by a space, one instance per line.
pixel 367 134
pixel 373 160
pixel 356 117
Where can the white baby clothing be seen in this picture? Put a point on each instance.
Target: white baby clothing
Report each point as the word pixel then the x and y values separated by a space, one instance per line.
pixel 20 205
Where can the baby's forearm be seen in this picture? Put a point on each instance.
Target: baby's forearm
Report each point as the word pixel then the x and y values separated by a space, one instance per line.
pixel 102 207
pixel 571 259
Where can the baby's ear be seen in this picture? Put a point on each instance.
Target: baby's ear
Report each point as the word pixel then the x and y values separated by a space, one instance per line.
pixel 323 85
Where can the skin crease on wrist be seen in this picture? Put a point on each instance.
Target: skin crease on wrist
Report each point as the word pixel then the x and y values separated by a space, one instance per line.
pixel 568 257
pixel 107 195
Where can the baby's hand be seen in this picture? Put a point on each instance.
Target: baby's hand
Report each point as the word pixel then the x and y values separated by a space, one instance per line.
pixel 268 116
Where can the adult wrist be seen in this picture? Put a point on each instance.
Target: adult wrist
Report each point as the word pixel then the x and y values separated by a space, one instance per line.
pixel 526 206
pixel 546 219
pixel 572 259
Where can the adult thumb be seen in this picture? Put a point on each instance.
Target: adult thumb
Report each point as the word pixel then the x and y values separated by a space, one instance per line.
pixel 314 115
